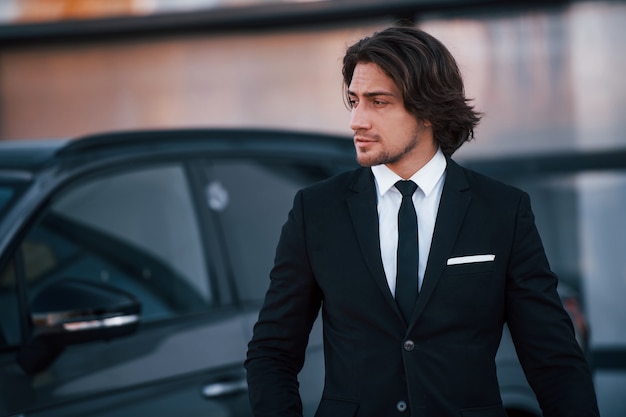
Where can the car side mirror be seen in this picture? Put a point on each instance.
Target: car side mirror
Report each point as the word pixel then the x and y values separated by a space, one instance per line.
pixel 74 311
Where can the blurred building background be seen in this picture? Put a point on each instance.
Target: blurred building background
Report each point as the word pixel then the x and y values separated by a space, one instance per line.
pixel 549 76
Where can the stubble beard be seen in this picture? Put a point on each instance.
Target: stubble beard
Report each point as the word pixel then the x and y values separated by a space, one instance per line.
pixel 372 158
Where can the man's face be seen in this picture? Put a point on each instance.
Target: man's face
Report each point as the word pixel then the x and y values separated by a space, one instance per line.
pixel 384 131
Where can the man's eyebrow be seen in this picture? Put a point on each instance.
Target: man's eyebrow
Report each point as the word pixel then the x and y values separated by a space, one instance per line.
pixel 370 94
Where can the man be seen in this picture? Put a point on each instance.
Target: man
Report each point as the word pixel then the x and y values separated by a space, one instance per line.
pixel 415 279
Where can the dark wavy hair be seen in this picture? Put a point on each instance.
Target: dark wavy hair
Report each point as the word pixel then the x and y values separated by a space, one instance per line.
pixel 428 76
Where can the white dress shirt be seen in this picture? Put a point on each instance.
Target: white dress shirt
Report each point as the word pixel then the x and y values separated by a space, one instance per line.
pixel 426 199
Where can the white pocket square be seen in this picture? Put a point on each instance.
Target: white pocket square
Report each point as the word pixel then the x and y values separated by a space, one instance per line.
pixel 471 259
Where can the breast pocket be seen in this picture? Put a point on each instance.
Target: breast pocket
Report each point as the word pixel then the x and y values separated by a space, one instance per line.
pixel 471 268
pixel 469 285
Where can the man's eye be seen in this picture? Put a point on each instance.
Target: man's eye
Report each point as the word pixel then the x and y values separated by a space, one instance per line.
pixel 352 103
pixel 379 103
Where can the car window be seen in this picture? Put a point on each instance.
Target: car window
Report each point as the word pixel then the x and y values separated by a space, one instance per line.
pixel 135 230
pixel 252 200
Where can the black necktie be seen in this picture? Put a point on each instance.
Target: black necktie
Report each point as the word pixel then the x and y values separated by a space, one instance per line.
pixel 406 277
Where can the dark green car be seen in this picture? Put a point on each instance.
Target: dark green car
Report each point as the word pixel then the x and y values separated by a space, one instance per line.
pixel 133 265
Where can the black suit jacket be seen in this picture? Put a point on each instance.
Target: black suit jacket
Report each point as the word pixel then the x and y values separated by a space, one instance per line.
pixel 442 363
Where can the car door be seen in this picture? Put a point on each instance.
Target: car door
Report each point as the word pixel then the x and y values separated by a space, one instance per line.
pixel 250 198
pixel 134 228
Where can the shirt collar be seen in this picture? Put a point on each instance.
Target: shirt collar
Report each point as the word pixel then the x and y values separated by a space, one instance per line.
pixel 426 178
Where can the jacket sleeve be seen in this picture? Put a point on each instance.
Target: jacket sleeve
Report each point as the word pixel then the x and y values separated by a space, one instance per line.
pixel 542 330
pixel 276 351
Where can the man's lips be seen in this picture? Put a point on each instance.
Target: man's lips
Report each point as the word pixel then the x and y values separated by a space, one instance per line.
pixel 363 140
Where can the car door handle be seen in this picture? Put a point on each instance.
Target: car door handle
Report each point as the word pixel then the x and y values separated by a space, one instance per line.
pixel 220 389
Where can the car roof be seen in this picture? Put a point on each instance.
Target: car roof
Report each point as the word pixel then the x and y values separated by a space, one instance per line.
pixel 549 163
pixel 32 155
pixel 27 153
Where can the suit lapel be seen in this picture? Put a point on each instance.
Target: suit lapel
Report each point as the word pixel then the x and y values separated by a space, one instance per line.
pixel 362 200
pixel 455 199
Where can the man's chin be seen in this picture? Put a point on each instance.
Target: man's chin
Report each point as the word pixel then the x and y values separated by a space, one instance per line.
pixel 367 160
pixel 364 162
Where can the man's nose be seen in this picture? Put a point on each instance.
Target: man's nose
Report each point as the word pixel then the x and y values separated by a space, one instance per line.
pixel 359 119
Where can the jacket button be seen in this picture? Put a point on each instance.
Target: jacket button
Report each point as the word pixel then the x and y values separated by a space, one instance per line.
pixel 401 406
pixel 409 345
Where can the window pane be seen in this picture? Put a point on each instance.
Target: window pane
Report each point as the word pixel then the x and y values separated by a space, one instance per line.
pixel 252 201
pixel 134 230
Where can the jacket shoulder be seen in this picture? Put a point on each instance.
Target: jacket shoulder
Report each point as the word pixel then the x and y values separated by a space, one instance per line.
pixel 337 183
pixel 481 182
pixel 485 189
